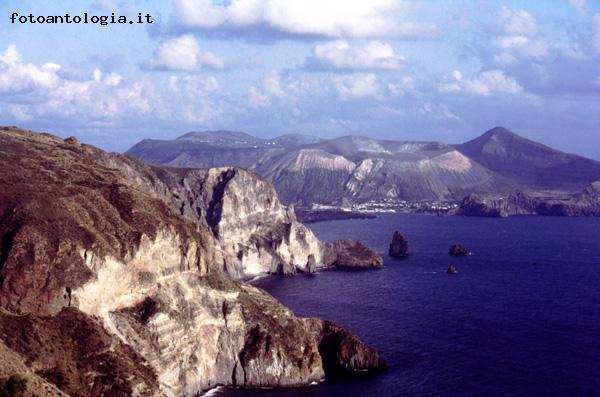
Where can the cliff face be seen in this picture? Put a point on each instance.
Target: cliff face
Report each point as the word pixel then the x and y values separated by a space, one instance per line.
pixel 242 210
pixel 585 203
pixel 60 209
pixel 106 290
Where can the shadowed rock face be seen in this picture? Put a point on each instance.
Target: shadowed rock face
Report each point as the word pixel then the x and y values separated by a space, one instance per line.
pixel 105 289
pixel 13 365
pixel 342 352
pixel 51 345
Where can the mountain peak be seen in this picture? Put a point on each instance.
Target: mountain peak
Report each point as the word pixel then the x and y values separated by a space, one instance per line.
pixel 500 132
pixel 529 162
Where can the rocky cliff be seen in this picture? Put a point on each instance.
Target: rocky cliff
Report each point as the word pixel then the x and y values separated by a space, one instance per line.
pixel 105 289
pixel 256 233
pixel 584 203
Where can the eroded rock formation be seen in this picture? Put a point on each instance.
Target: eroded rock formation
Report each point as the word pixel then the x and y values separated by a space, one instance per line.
pixel 105 289
pixel 256 232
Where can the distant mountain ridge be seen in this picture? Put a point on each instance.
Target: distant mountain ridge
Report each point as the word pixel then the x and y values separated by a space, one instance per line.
pixel 530 163
pixel 308 170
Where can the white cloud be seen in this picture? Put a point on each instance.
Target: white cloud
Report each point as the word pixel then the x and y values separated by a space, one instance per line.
pixel 329 18
pixel 493 82
pixel 522 46
pixel 194 98
pixel 516 22
pixel 17 76
pixel 440 111
pixel 487 83
pixel 102 97
pixel 270 87
pixel 518 37
pixel 401 87
pixel 193 84
pixel 340 55
pixel 454 85
pixel 258 98
pixel 183 53
pixel 113 79
pixel 358 85
pixel 504 58
pixel 10 56
pixel 30 92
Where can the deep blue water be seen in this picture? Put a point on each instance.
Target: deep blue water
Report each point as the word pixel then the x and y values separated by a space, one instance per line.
pixel 521 317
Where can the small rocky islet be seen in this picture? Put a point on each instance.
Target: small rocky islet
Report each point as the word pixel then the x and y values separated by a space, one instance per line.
pixel 458 250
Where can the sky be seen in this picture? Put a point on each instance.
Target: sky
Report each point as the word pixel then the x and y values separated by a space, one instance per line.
pixel 445 70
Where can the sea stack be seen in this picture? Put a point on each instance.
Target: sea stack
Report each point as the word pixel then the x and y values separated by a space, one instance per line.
pixel 398 246
pixel 458 250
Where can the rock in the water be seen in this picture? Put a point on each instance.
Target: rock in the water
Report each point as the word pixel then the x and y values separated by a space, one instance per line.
pixel 341 351
pixel 452 269
pixel 398 246
pixel 352 254
pixel 458 250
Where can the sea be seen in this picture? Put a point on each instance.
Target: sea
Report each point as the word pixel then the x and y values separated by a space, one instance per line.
pixel 520 318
